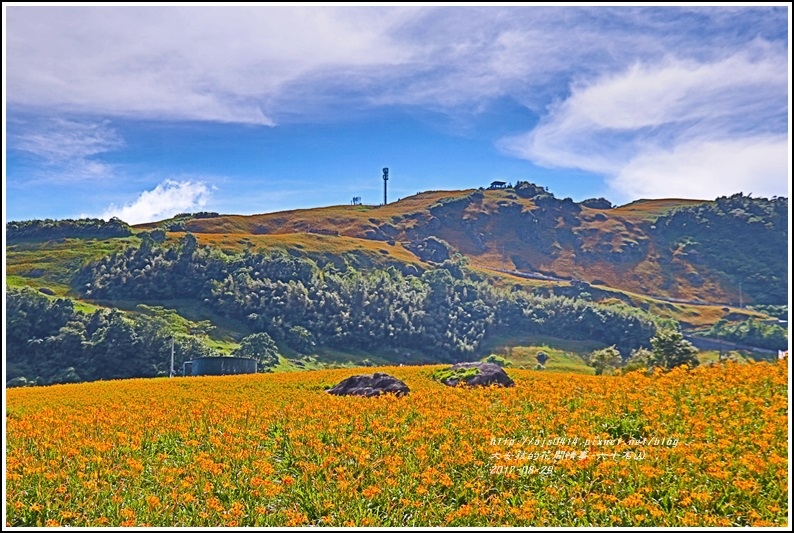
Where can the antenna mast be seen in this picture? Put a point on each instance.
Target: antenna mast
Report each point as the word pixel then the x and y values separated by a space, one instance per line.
pixel 385 179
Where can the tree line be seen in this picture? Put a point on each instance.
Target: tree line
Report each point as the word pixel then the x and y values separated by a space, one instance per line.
pixel 444 312
pixel 85 228
pixel 751 332
pixel 49 341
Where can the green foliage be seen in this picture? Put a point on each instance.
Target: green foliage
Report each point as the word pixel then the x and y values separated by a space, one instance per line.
pixel 626 426
pixel 290 299
pixel 432 249
pixel 86 228
pixel 18 382
pixel 297 303
pixel 157 235
pixel 639 359
pixel 54 263
pixel 261 347
pixel 300 339
pixel 497 360
pixel 597 203
pixel 458 375
pixel 48 341
pixel 526 189
pixel 670 350
pixel 604 359
pixel 776 311
pixel 743 238
pixel 175 322
pixel 751 332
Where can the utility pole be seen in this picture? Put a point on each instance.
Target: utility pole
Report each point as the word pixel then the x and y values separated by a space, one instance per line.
pixel 172 357
pixel 741 303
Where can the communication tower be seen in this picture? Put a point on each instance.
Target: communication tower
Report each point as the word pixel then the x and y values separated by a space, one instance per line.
pixel 385 180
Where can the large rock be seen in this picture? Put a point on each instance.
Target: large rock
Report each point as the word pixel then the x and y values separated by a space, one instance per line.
pixel 475 375
pixel 369 385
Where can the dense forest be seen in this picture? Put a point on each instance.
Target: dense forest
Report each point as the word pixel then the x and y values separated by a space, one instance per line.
pixel 442 315
pixel 48 341
pixel 443 311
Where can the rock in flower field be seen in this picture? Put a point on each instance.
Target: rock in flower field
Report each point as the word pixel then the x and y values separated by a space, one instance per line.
pixel 706 447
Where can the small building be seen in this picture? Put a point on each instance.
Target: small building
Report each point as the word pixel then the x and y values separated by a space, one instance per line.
pixel 219 366
pixel 498 185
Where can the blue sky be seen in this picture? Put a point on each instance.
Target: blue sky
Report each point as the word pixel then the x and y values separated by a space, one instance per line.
pixel 144 112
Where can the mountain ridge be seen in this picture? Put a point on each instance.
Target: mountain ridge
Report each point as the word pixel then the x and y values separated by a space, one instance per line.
pixel 434 277
pixel 528 230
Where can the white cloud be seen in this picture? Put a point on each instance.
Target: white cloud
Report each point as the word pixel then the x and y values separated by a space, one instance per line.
pixel 674 128
pixel 705 170
pixel 166 200
pixel 677 91
pixel 614 89
pixel 195 63
pixel 256 64
pixel 68 148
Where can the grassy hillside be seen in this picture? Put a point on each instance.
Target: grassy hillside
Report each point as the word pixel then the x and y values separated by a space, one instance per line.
pixel 52 264
pixel 675 259
pixel 644 247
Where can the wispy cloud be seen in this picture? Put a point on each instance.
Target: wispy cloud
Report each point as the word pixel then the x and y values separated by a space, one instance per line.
pixel 675 127
pixel 209 63
pixel 612 88
pixel 68 149
pixel 261 64
pixel 166 200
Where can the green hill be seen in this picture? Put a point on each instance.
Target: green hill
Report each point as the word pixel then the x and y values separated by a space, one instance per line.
pixel 435 277
pixel 672 248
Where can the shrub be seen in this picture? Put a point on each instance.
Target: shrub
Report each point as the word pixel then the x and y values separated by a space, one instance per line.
pixel 259 346
pixel 604 359
pixel 670 350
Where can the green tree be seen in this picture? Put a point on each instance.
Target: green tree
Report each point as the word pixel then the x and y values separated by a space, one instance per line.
pixel 259 346
pixel 670 350
pixel 300 338
pixel 639 359
pixel 603 359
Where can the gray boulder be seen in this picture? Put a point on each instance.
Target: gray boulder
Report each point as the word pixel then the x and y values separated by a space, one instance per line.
pixel 475 375
pixel 369 385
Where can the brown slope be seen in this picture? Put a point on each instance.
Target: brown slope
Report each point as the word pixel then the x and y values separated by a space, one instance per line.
pixel 499 229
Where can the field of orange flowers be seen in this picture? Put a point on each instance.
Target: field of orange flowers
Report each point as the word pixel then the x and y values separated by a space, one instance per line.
pixel 701 448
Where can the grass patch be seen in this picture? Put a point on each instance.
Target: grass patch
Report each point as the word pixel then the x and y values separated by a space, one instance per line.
pixel 650 210
pixel 565 355
pixel 226 334
pixel 56 262
pixel 742 356
pixel 460 374
pixel 60 289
